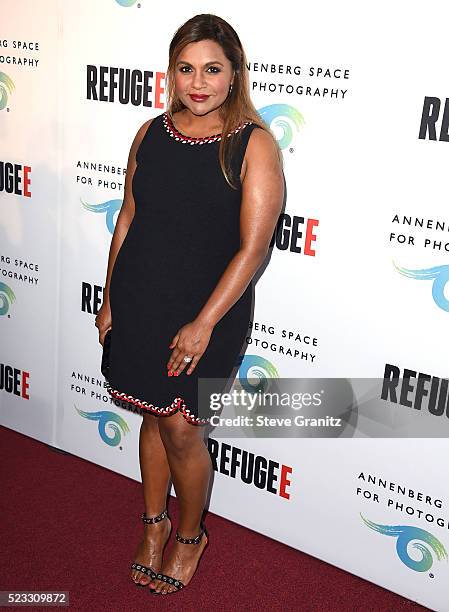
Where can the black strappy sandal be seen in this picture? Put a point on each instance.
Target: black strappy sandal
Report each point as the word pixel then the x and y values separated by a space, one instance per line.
pixel 143 568
pixel 170 579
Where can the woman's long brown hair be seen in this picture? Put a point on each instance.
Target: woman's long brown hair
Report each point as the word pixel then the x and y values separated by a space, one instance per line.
pixel 238 107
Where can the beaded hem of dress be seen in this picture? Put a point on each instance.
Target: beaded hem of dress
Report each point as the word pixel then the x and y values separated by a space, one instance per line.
pixel 177 405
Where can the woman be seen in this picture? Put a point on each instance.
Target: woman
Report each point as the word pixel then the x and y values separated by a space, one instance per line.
pixel 197 218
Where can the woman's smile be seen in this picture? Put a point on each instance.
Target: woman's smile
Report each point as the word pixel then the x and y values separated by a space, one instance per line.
pixel 198 97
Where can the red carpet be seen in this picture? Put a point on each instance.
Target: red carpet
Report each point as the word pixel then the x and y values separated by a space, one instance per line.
pixel 70 525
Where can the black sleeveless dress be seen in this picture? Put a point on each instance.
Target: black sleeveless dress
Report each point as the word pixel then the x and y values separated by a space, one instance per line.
pixel 185 231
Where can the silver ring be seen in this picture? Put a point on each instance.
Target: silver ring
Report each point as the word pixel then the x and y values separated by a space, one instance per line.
pixel 187 359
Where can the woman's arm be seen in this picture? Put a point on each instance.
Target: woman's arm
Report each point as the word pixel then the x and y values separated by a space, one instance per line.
pixel 262 200
pixel 103 320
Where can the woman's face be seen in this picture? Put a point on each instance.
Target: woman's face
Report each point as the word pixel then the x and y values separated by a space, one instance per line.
pixel 202 69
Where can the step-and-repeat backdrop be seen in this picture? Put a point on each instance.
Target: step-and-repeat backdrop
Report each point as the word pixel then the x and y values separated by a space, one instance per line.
pixel 357 96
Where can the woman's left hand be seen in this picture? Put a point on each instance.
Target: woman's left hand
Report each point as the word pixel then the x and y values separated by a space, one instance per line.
pixel 191 341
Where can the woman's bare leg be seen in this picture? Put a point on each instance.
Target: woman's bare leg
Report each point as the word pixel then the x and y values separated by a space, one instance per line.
pixel 190 467
pixel 155 480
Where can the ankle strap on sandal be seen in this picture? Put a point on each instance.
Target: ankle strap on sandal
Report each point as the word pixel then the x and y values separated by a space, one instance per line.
pixel 195 540
pixel 154 519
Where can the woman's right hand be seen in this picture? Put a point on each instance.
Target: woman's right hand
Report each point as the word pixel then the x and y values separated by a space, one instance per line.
pixel 103 321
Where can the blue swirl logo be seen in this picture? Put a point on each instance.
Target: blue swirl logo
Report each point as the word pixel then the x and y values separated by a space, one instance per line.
pixel 425 543
pixel 106 418
pixel 126 3
pixel 282 117
pixel 259 369
pixel 110 208
pixel 6 88
pixel 439 275
pixel 7 297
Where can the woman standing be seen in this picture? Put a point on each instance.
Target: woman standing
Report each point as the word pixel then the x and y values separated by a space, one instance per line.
pixel 203 192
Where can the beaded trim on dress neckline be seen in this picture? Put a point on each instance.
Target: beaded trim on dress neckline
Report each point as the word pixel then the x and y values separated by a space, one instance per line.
pixel 170 128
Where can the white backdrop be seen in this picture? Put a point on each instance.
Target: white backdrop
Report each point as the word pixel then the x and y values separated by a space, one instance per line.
pixel 354 161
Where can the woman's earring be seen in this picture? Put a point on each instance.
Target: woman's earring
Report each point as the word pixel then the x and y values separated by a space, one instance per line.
pixel 230 89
